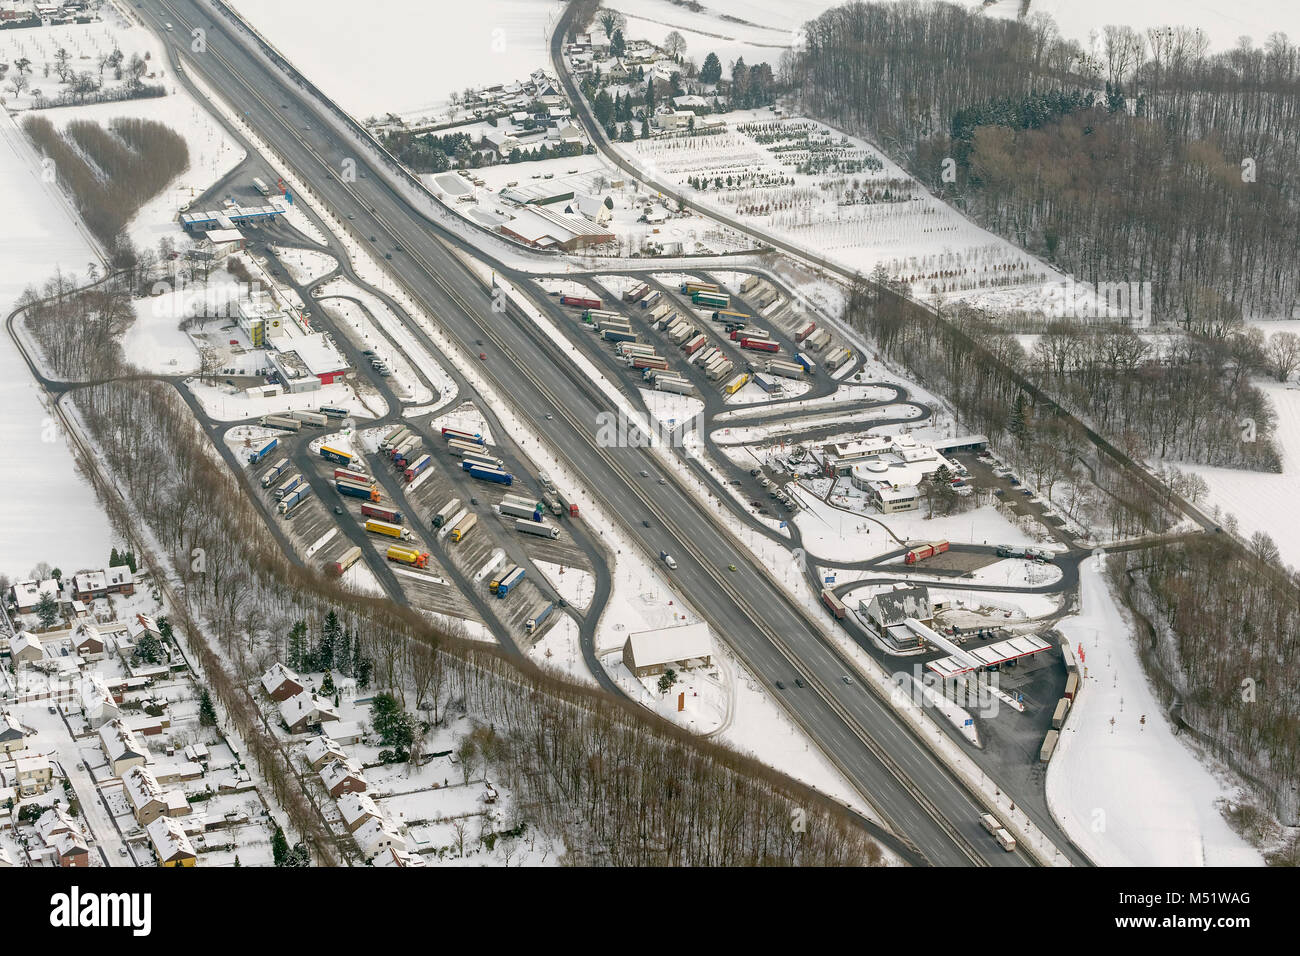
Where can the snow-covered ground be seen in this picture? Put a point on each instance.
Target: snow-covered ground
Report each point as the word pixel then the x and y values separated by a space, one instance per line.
pixel 41 236
pixel 405 56
pixel 1262 501
pixel 1130 793
pixel 1222 22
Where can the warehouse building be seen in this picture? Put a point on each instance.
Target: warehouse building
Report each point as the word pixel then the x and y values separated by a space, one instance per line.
pixel 647 653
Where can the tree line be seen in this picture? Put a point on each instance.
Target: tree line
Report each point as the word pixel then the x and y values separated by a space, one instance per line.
pixel 109 173
pixel 1154 161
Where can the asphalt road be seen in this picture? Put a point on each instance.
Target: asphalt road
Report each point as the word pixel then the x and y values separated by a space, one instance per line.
pixel 905 782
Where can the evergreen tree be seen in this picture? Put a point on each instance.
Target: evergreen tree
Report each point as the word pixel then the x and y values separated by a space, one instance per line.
pixel 207 712
pixel 328 639
pixel 343 653
pixel 297 645
pixel 1018 425
pixel 327 685
pixel 47 610
pixel 711 71
pixel 114 559
pixel 279 847
pixel 650 97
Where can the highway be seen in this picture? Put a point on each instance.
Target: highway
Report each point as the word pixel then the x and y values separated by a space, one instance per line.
pixel 907 785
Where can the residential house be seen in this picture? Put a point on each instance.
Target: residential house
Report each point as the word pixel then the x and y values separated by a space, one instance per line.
pixel 356 809
pixel 647 653
pixel 323 750
pixel 170 843
pixel 12 738
pixel 121 747
pixel 33 774
pixel 305 710
pixel 97 702
pixel 87 641
pixel 70 850
pixel 25 649
pixel 28 594
pixel 377 835
pixel 91 585
pixel 149 800
pixel 343 776
pixel 280 683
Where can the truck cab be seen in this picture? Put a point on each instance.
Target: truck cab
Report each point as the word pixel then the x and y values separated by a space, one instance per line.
pixel 668 559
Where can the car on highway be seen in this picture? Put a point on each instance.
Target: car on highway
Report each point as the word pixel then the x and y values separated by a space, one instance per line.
pixel 367 351
pixel 373 239
pixel 645 474
pixel 847 679
pixel 482 356
pixel 668 559
pixel 798 682
pixel 780 686
pixel 388 255
pixel 338 510
pixel 731 567
pixel 663 481
pixel 645 522
pixel 350 216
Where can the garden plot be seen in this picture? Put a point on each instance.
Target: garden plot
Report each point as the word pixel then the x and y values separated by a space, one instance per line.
pixel 822 189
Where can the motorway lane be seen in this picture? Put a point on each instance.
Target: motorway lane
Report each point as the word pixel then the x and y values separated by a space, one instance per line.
pixel 575 405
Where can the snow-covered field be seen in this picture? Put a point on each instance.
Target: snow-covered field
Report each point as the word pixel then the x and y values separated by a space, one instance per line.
pixel 405 56
pixel 1262 501
pixel 1222 22
pixel 41 236
pixel 1130 793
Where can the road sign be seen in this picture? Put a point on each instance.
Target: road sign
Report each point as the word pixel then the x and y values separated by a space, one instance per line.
pixel 830 579
pixel 969 722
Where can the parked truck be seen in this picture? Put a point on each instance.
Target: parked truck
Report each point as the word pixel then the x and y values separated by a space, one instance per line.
pixel 711 300
pixel 579 302
pixel 336 455
pixel 511 581
pixel 759 345
pixel 736 384
pixel 652 299
pixel 836 359
pixel 261 451
pixel 276 471
pixel 616 335
pixel 418 466
pixel 375 526
pixel 534 622
pixel 475 437
pixel 497 475
pixel 281 421
pixel 593 316
pixel 925 551
pixel 668 559
pixel 445 512
pixel 805 363
pixel 636 293
pixel 294 499
pixel 1049 745
pixel 409 556
pixel 1058 716
pixel 352 489
pixel 804 331
pixel 819 340
pixel 382 512
pixel 785 369
pixel 649 361
pixel 288 485
pixel 530 513
pixel 463 527
pixel 311 418
pixel 494 583
pixel 348 558
pixel 669 383
pixel 537 527
pixel 758 335
pixel 691 287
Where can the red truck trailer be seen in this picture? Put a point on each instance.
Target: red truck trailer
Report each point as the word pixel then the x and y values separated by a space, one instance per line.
pixel 925 551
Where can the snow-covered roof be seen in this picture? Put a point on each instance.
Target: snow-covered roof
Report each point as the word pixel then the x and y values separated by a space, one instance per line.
pixel 24 641
pixel 169 839
pixel 667 645
pixel 893 607
pixel 28 593
pixel 323 746
pixel 120 741
pixel 335 772
pixel 142 787
pixel 53 822
pixel 356 806
pixel 376 834
pixel 276 676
